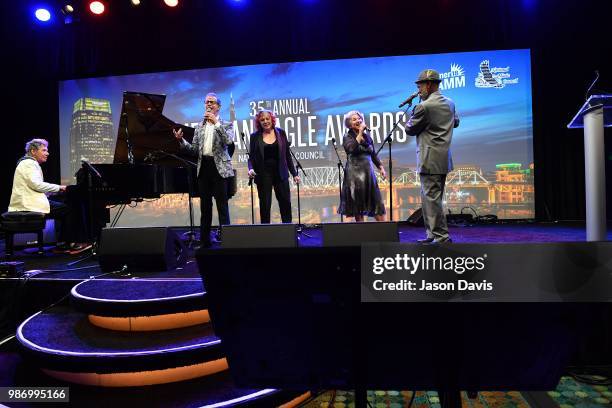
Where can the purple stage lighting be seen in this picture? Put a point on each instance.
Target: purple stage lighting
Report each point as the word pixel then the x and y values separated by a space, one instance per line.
pixel 238 4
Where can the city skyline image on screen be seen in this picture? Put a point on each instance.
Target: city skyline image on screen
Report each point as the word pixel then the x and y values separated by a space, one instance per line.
pixel 492 148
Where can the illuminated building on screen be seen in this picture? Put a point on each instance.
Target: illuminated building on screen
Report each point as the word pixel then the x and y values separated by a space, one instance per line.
pixel 240 158
pixel 513 185
pixel 232 109
pixel 91 133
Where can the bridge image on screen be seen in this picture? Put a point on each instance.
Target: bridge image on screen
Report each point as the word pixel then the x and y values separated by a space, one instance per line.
pixel 492 149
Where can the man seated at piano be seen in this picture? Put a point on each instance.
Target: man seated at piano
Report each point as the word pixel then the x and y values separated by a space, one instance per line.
pixel 30 191
pixel 211 141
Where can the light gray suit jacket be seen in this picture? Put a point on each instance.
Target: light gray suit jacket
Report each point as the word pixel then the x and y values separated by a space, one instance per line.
pixel 432 123
pixel 223 137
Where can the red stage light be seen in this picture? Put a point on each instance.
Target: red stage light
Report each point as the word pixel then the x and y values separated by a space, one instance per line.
pixel 96 7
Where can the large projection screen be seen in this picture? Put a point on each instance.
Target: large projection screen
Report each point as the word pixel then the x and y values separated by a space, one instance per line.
pixel 492 149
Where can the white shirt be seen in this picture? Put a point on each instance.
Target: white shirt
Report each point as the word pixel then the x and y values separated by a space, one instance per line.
pixel 209 135
pixel 29 188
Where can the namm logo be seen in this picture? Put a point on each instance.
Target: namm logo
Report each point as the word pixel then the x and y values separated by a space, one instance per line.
pixel 455 78
pixel 493 77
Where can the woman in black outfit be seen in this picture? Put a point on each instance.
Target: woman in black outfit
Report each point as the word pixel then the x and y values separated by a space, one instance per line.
pixel 270 164
pixel 360 193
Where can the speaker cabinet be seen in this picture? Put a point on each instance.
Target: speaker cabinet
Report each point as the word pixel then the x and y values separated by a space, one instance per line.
pixel 150 249
pixel 259 236
pixel 354 233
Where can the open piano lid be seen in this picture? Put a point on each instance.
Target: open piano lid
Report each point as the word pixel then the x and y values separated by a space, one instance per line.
pixel 147 130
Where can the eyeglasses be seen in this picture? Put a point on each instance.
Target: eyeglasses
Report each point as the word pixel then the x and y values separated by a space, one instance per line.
pixel 210 102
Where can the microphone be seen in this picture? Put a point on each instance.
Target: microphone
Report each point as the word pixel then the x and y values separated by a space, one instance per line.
pixel 333 140
pixel 592 84
pixel 368 129
pixel 409 100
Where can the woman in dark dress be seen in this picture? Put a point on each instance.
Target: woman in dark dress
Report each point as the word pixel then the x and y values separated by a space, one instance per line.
pixel 360 193
pixel 270 164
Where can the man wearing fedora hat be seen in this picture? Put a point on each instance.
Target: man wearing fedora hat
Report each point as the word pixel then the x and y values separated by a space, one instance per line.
pixel 432 122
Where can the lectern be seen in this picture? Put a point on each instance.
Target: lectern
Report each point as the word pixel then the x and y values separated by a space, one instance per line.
pixel 593 116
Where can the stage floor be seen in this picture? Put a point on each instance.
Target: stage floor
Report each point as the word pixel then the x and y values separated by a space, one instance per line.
pixel 55 266
pixel 50 278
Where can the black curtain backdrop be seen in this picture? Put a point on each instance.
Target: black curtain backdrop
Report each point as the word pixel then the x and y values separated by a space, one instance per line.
pixel 569 40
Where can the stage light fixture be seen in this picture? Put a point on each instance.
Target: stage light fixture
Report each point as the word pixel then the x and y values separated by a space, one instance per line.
pixel 69 13
pixel 171 3
pixel 135 2
pixel 42 14
pixel 96 7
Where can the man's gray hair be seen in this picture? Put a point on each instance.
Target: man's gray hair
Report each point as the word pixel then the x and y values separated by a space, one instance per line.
pixel 349 114
pixel 35 144
pixel 216 97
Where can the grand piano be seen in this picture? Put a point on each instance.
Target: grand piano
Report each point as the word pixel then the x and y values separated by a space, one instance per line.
pixel 146 164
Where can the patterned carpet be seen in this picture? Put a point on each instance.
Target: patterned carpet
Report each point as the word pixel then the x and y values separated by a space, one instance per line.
pixel 423 399
pixel 569 393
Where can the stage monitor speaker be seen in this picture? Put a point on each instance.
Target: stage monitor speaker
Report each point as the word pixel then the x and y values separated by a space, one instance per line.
pixel 353 234
pixel 150 249
pixel 259 236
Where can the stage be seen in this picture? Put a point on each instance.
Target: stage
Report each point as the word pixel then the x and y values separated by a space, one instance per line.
pixel 49 279
pixel 502 232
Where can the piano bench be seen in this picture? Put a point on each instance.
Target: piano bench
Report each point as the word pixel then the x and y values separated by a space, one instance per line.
pixel 17 222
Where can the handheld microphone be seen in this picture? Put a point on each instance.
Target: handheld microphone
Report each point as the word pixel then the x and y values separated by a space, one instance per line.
pixel 368 129
pixel 333 140
pixel 409 100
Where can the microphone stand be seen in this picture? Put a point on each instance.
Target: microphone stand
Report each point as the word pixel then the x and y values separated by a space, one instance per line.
pixel 339 164
pixel 190 165
pixel 299 166
pixel 389 140
pixel 91 170
pixel 250 180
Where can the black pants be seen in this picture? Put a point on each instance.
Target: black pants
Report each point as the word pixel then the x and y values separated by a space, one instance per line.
pixel 265 182
pixel 211 184
pixel 63 229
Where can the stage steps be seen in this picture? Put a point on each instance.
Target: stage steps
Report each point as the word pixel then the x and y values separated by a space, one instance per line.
pixel 68 347
pixel 142 304
pixel 137 333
